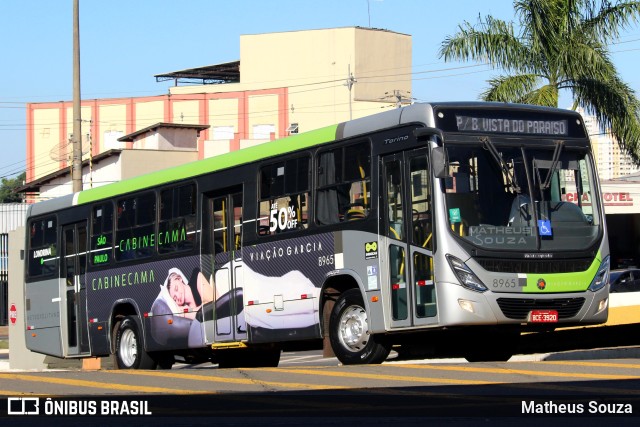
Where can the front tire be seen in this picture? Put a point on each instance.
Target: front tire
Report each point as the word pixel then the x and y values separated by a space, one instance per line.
pixel 351 341
pixel 129 346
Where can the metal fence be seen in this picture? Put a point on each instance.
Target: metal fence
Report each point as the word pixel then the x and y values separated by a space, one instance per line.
pixel 12 216
pixel 4 279
pixel 4 298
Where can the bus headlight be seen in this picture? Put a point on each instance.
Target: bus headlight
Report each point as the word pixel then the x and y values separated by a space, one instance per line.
pixel 465 275
pixel 602 276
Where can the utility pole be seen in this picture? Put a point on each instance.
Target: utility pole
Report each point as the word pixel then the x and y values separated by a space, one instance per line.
pixel 76 165
pixel 349 84
pixel 400 99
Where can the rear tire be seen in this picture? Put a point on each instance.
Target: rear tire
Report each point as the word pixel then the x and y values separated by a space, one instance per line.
pixel 129 346
pixel 351 341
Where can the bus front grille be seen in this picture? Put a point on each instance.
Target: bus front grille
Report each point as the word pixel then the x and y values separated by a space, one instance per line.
pixel 519 308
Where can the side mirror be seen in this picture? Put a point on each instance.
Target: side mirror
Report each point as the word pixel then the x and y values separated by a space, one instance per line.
pixel 439 159
pixel 439 162
pixel 423 134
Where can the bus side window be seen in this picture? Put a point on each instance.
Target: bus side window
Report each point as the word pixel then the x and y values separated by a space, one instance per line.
pixel 284 196
pixel 421 203
pixel 135 233
pixel 176 230
pixel 394 200
pixel 43 247
pixel 343 184
pixel 101 234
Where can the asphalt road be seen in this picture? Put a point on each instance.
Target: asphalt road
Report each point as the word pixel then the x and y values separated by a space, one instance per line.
pixel 309 390
pixel 398 389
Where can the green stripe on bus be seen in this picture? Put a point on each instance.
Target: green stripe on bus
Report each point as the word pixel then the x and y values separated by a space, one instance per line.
pixel 211 164
pixel 563 282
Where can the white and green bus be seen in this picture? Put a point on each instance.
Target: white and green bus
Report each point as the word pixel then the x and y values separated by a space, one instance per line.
pixel 480 220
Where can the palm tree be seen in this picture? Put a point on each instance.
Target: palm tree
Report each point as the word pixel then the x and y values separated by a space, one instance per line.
pixel 559 44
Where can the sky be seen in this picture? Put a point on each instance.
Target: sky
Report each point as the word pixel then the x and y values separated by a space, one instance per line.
pixel 124 43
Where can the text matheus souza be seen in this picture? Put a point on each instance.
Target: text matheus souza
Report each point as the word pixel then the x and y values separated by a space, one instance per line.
pixel 592 407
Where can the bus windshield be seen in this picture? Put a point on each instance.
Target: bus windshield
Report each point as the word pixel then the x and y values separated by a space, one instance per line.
pixel 531 197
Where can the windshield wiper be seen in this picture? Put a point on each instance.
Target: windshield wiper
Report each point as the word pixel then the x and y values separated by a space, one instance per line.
pixel 509 174
pixel 554 162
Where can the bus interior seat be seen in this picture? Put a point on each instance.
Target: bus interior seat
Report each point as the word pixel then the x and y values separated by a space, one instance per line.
pixel 566 212
pixel 355 210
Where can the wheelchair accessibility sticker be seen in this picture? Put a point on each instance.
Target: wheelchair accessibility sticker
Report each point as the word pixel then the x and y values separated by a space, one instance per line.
pixel 544 227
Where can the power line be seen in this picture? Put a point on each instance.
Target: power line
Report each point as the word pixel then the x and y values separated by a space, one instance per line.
pixel 332 84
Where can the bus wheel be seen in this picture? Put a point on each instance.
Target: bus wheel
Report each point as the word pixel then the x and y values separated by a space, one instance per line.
pixel 130 352
pixel 349 332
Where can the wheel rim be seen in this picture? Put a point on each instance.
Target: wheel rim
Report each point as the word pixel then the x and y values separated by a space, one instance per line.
pixel 128 348
pixel 353 330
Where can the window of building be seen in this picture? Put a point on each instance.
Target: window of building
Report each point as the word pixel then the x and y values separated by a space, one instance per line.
pixel 344 184
pixel 293 129
pixel 223 133
pixel 284 196
pixel 263 131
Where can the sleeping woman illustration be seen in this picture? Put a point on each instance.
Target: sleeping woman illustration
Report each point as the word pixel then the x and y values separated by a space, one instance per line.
pixel 182 294
pixel 183 305
pixel 176 308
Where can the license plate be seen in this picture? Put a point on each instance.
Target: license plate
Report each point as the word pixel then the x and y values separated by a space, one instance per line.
pixel 543 316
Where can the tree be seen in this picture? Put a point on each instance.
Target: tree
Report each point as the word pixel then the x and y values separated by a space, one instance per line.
pixel 8 185
pixel 558 45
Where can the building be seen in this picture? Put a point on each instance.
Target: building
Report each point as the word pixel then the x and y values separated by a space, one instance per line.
pixel 620 185
pixel 611 160
pixel 284 83
pixel 622 209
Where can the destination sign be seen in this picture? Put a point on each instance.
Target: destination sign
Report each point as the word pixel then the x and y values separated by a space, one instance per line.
pixel 519 126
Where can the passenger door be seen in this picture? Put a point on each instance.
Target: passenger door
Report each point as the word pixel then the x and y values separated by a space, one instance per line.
pixel 75 332
pixel 222 227
pixel 410 291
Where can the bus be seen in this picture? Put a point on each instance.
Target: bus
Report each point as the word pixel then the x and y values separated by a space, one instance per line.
pixel 473 221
